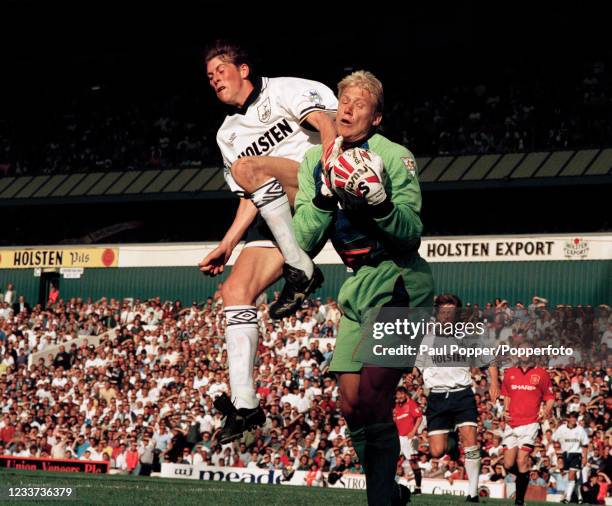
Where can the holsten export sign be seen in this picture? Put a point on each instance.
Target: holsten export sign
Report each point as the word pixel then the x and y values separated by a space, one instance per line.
pixel 28 258
pixel 517 249
pixel 64 466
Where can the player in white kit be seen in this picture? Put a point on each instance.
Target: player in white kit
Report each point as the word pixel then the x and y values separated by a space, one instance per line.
pixel 574 443
pixel 451 404
pixel 272 123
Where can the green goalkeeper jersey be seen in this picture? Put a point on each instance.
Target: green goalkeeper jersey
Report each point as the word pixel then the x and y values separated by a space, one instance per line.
pixel 359 238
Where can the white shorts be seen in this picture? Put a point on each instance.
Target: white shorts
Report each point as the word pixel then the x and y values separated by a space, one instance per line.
pixel 521 436
pixel 231 182
pixel 409 446
pixel 260 244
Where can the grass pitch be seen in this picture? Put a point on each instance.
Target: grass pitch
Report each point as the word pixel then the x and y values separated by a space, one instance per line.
pixel 132 491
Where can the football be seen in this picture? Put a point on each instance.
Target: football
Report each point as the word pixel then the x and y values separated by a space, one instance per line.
pixel 357 176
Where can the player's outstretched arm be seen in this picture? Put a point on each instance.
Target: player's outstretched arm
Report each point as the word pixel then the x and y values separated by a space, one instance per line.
pixel 494 379
pixel 325 125
pixel 214 263
pixel 506 408
pixel 548 408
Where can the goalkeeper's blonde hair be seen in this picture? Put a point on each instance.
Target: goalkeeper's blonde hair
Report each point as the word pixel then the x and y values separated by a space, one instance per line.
pixel 367 81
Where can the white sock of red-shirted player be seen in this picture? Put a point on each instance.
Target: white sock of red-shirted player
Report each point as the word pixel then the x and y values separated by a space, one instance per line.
pixel 273 205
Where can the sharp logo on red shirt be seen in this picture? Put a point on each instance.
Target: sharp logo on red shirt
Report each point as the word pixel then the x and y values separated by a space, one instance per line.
pixel 527 390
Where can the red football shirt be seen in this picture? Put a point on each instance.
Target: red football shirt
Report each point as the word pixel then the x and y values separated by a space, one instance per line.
pixel 526 390
pixel 405 415
pixel 7 434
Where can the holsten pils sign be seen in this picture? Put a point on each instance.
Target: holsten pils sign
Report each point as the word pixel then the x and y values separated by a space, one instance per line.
pixel 28 258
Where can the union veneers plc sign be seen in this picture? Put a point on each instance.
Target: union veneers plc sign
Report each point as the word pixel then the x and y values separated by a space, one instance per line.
pixel 62 465
pixel 28 258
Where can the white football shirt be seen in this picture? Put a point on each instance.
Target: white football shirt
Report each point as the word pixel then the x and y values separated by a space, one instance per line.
pixel 572 440
pixel 437 376
pixel 271 123
pixel 446 378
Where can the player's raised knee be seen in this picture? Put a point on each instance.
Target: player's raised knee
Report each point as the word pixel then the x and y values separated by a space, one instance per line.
pixel 236 291
pixel 247 173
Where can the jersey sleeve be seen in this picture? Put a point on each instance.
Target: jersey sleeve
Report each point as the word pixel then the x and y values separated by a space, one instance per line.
pixel 227 165
pixel 300 97
pixel 504 385
pixel 403 224
pixel 547 391
pixel 584 438
pixel 310 224
pixel 226 152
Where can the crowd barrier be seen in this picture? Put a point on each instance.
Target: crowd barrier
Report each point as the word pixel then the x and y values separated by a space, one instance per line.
pixel 298 478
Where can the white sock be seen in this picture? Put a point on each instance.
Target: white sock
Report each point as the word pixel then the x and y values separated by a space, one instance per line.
pixel 273 205
pixel 472 468
pixel 570 489
pixel 242 338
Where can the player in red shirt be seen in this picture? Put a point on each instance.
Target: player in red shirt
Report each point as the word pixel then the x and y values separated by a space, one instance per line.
pixel 524 388
pixel 408 416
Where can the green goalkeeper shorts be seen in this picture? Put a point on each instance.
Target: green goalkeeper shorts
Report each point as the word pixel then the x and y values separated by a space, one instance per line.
pixel 409 284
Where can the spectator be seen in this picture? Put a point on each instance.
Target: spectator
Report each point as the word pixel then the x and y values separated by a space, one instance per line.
pixel 10 296
pixel 595 490
pixel 499 473
pixel 138 382
pixel 53 295
pixel 435 471
pixel 63 359
pixel 21 305
pixel 119 461
pixel 132 459
pixel 536 479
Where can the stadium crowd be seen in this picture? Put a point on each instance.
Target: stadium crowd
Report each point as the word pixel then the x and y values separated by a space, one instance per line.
pixel 102 130
pixel 139 389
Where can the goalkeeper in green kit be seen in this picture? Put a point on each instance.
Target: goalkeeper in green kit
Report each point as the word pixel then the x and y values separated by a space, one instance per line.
pixel 363 194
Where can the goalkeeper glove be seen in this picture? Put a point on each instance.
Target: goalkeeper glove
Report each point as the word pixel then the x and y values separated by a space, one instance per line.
pixel 325 198
pixel 357 179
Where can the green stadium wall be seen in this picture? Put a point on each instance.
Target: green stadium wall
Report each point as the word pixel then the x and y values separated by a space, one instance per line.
pixel 561 282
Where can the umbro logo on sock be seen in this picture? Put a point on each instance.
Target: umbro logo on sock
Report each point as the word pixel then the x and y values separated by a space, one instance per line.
pixel 240 316
pixel 270 192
